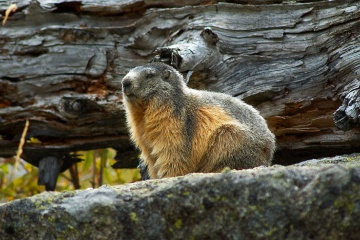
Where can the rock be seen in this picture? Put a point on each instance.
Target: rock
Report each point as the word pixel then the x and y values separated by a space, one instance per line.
pixel 312 200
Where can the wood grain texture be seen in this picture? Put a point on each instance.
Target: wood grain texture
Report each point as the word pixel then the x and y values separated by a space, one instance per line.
pixel 62 62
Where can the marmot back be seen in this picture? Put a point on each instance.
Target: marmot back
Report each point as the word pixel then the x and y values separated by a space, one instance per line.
pixel 181 130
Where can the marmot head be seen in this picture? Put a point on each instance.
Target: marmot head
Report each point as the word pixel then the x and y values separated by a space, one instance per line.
pixel 152 81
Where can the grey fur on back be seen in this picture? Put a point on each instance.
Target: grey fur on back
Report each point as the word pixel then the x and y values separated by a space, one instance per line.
pixel 241 111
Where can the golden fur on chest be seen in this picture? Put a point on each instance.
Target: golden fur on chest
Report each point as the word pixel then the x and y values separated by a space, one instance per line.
pixel 160 136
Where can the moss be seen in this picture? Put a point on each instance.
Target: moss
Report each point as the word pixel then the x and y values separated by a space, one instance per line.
pixel 352 158
pixel 218 198
pixel 42 205
pixel 226 169
pixel 170 195
pixel 255 208
pixel 134 217
pixel 271 232
pixel 42 201
pixel 252 207
pixel 186 193
pixel 51 218
pixel 178 224
pixel 65 233
pixel 345 202
pixel 278 175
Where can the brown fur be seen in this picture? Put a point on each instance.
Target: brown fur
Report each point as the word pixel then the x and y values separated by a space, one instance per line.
pixel 182 131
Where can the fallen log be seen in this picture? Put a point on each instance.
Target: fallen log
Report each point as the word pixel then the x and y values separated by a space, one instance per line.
pixel 62 62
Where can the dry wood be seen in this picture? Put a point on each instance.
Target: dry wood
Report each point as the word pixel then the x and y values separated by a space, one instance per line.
pixel 62 62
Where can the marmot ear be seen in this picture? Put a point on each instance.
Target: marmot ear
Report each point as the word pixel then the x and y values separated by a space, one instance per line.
pixel 166 74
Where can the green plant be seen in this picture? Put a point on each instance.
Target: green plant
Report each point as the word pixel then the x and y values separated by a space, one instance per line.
pixel 94 171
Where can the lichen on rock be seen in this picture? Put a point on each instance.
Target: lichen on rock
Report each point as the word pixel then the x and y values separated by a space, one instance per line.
pixel 313 200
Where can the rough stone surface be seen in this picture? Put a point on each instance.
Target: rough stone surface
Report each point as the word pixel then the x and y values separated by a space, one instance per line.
pixel 312 200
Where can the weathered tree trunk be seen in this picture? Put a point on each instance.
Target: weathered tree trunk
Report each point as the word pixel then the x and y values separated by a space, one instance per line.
pixel 62 62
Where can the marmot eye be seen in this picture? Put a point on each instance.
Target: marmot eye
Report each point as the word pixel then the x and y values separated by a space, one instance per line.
pixel 150 75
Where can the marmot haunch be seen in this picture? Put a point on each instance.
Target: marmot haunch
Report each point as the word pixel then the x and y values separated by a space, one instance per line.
pixel 180 130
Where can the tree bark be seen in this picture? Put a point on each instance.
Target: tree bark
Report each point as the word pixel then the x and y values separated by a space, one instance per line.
pixel 62 62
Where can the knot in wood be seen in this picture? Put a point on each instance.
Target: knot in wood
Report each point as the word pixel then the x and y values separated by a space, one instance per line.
pixel 75 105
pixel 209 36
pixel 169 56
pixel 72 107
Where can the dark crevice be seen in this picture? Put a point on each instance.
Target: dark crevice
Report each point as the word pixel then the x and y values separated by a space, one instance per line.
pixel 32 52
pixel 293 156
pixel 11 79
pixel 68 7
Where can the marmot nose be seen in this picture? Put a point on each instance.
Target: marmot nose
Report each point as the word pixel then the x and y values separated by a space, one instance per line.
pixel 126 87
pixel 126 83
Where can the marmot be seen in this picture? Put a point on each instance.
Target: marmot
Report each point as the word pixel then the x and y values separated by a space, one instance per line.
pixel 180 130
